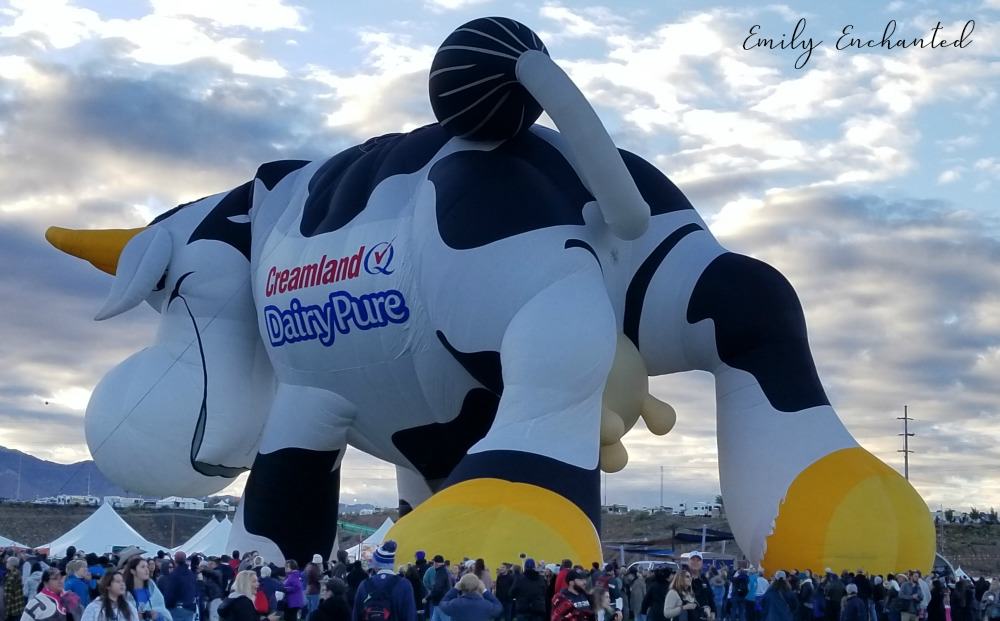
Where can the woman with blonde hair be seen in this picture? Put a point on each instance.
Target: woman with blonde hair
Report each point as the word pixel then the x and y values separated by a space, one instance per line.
pixel 239 605
pixel 470 601
pixel 680 602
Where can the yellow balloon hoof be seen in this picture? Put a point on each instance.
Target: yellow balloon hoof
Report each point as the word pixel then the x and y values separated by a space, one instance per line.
pixel 851 511
pixel 497 520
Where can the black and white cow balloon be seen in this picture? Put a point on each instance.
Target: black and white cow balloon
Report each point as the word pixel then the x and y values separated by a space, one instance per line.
pixel 480 302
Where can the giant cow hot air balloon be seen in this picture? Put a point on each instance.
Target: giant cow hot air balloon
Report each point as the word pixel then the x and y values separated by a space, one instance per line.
pixel 479 301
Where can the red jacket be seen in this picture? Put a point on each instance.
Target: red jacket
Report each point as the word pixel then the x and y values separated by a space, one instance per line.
pixel 570 606
pixel 561 580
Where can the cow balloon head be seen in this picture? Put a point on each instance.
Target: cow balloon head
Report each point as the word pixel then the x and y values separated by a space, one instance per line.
pixel 191 411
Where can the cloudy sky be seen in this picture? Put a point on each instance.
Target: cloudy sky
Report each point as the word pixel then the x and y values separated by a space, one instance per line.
pixel 869 178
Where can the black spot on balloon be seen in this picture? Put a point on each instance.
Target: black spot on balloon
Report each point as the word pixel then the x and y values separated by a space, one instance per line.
pixel 340 189
pixel 759 328
pixel 523 185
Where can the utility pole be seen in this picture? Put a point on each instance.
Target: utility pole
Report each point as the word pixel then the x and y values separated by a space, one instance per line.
pixel 605 488
pixel 906 441
pixel 661 487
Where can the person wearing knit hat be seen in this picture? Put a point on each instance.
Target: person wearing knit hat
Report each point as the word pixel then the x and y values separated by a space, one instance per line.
pixel 385 595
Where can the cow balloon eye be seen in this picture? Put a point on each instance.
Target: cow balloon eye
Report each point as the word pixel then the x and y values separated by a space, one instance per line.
pixel 162 283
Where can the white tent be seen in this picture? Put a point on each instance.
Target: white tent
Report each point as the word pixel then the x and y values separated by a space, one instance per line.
pixel 365 549
pixel 212 542
pixel 10 543
pixel 99 533
pixel 207 528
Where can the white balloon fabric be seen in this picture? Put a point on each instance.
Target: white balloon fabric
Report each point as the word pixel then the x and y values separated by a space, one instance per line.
pixel 479 301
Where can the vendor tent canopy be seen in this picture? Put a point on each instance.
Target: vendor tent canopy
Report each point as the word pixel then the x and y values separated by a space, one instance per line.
pixel 189 544
pixel 100 533
pixel 10 543
pixel 364 550
pixel 213 542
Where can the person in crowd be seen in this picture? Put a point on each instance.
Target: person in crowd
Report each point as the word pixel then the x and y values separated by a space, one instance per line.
pixel 635 591
pixel 412 574
pixel 739 591
pixel 529 594
pixel 909 597
pixel 572 602
pixel 437 583
pixel 604 609
pixel 180 590
pixel 935 609
pixel 656 593
pixel 13 590
pixel 111 604
pixel 717 583
pixel 34 579
pixel 70 557
pixel 47 604
pixel 78 580
pixel 333 604
pixel 680 602
pixel 210 588
pixel 804 597
pixel 142 593
pixel 311 577
pixel 94 566
pixel 925 593
pixel 699 584
pixel 833 591
pixel 779 602
pixel 853 607
pixel 879 598
pixel 239 606
pixel 355 577
pixel 384 596
pixel 470 600
pixel 343 566
pixel 234 562
pixel 503 585
pixel 564 569
pixel 864 592
pixel 271 587
pixel 961 601
pixel 481 572
pixel 295 598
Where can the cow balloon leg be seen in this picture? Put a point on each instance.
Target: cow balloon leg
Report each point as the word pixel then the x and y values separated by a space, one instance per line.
pixel 290 504
pixel 799 491
pixel 531 484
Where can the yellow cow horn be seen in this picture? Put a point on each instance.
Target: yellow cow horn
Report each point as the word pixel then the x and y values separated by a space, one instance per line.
pixel 101 247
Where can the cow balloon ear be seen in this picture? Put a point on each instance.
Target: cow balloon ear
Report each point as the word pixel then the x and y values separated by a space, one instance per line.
pixel 140 266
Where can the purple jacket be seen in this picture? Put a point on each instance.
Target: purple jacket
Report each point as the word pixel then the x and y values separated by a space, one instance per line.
pixel 294 597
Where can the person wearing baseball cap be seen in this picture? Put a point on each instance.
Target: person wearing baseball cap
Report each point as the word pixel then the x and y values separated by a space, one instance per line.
pixel 437 583
pixel 573 603
pixel 699 584
pixel 779 601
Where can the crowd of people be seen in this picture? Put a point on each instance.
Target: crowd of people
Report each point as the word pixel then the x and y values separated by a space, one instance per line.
pixel 128 587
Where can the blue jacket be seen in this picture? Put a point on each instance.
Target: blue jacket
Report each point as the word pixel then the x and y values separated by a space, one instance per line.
pixel 778 605
pixel 854 609
pixel 401 596
pixel 180 588
pixel 80 587
pixel 470 607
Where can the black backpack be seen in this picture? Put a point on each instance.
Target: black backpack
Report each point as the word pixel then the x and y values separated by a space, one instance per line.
pixel 741 586
pixel 377 605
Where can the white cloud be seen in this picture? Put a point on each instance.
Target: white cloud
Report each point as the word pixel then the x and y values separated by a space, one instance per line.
pixel 171 37
pixel 949 176
pixel 452 5
pixel 256 14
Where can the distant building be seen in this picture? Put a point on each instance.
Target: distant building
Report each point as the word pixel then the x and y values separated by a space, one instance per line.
pixel 69 500
pixel 123 502
pixel 617 509
pixel 703 509
pixel 223 505
pixel 177 502
pixel 660 510
pixel 366 512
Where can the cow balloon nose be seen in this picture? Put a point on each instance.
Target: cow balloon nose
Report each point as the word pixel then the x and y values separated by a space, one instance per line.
pixel 474 90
